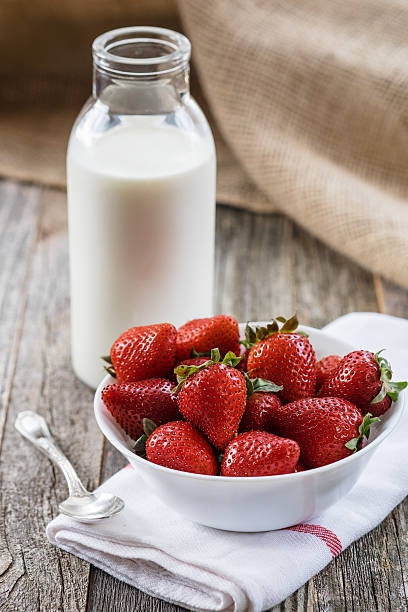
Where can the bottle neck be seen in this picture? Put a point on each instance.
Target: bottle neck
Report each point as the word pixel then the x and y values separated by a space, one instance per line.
pixel 141 94
pixel 141 70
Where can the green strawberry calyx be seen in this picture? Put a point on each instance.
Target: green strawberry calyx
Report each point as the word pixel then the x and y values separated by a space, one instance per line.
pixel 149 427
pixel 364 430
pixel 289 326
pixel 389 387
pixel 260 385
pixel 109 368
pixel 182 372
pixel 194 354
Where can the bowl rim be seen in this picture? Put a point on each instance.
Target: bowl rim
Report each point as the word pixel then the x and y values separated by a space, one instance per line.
pixel 101 414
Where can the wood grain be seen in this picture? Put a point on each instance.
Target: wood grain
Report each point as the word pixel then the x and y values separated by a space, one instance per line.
pixel 265 265
pixel 18 232
pixel 35 575
pixel 395 299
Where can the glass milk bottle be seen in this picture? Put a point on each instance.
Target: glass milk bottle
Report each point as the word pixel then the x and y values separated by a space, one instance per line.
pixel 141 195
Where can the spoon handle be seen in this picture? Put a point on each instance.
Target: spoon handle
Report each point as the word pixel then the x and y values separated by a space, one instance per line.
pixel 33 427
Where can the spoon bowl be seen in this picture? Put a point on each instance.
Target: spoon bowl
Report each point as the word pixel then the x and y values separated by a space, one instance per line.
pixel 81 504
pixel 91 507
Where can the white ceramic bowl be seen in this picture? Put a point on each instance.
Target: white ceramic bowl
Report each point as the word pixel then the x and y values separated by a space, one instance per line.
pixel 260 503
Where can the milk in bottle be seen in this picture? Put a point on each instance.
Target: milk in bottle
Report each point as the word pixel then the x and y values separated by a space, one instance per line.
pixel 141 196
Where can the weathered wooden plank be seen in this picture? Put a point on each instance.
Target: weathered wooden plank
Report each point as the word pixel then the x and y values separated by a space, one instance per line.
pixel 254 265
pixel 19 208
pixel 326 284
pixel 395 298
pixel 40 576
pixel 266 265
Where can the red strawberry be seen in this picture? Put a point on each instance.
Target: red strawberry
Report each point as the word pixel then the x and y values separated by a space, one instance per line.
pixel 381 407
pixel 258 453
pixel 285 357
pixel 299 467
pixel 202 335
pixel 213 397
pixel 130 403
pixel 326 429
pixel 324 367
pixel 194 361
pixel 144 352
pixel 179 446
pixel 363 378
pixel 260 405
pixel 257 415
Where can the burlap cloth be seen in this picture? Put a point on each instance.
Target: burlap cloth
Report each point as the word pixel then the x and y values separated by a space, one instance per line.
pixel 308 100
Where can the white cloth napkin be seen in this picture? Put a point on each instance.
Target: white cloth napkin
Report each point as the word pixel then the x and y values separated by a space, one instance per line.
pixel 152 548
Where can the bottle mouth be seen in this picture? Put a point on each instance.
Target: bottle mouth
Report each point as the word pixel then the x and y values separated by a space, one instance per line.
pixel 141 51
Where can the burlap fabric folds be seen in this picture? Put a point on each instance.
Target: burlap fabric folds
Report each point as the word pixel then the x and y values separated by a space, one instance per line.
pixel 309 100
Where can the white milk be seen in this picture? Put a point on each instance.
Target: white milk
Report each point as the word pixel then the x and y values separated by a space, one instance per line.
pixel 141 203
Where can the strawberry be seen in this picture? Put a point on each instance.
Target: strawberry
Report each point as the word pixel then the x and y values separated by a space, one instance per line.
pixel 194 361
pixel 144 352
pixel 179 446
pixel 326 429
pixel 324 367
pixel 213 397
pixel 258 453
pixel 299 467
pixel 202 335
pixel 257 415
pixel 363 378
pixel 261 403
pixel 284 356
pixel 379 408
pixel 129 403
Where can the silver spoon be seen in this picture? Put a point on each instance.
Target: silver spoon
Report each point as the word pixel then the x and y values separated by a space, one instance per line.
pixel 81 504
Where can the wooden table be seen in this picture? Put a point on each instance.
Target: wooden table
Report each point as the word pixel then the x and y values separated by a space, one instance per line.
pixel 265 265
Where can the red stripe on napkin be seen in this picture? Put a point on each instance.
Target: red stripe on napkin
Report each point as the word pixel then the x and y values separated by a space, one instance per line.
pixel 327 536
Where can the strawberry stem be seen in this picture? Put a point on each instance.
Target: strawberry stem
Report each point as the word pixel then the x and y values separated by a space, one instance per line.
pixel 389 387
pixel 231 359
pixel 289 326
pixel 250 337
pixel 149 427
pixel 182 372
pixel 110 370
pixel 260 385
pixel 139 447
pixel 364 430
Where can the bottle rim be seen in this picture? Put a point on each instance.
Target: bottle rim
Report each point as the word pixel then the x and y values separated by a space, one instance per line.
pixel 118 51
